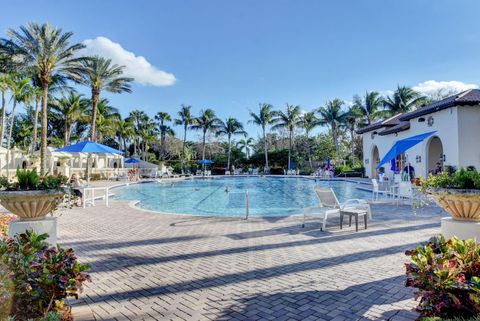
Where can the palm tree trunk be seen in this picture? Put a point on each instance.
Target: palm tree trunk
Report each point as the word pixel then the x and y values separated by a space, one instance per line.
pixel 183 146
pixel 4 113
pixel 44 122
pixel 335 141
pixel 265 147
pixel 352 147
pixel 10 131
pixel 35 124
pixel 289 148
pixel 95 97
pixel 203 153
pixel 309 150
pixel 65 135
pixel 124 146
pixel 229 152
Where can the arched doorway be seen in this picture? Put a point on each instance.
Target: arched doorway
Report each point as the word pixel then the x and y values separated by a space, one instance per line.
pixel 374 160
pixel 434 154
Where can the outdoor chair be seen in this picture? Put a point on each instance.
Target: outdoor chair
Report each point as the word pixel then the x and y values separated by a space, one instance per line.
pixel 198 172
pixel 375 189
pixel 329 205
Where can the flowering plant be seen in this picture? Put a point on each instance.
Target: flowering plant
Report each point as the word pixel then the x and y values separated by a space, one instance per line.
pixel 5 219
pixel 447 274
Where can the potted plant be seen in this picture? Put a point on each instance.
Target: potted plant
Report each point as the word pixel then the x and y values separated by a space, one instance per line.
pixel 458 193
pixel 32 197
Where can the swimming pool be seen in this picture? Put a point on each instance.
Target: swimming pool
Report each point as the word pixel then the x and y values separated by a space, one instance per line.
pixel 268 196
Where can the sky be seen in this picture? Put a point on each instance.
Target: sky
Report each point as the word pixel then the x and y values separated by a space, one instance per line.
pixel 233 55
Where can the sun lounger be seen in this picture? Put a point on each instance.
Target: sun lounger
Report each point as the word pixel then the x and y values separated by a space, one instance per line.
pixel 329 205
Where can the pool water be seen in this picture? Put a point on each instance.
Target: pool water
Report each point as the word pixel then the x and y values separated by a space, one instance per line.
pixel 267 196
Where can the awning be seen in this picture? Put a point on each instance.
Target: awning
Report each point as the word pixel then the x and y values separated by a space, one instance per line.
pixel 402 145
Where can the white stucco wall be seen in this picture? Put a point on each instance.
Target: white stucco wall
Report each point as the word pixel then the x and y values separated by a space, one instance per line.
pixel 445 122
pixel 469 136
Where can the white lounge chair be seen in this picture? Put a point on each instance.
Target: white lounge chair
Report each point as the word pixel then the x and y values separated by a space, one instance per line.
pixel 199 172
pixel 227 172
pixel 329 205
pixel 255 171
pixel 375 189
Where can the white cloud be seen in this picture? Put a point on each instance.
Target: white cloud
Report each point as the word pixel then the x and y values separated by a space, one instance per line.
pixel 433 87
pixel 135 66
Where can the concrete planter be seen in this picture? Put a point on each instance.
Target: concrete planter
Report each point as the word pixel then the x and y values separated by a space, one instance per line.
pixel 463 205
pixel 31 205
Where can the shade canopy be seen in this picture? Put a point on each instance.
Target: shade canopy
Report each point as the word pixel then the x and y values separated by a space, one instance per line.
pixel 89 147
pixel 132 160
pixel 205 162
pixel 403 145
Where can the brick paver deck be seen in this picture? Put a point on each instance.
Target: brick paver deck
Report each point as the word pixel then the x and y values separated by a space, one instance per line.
pixel 149 266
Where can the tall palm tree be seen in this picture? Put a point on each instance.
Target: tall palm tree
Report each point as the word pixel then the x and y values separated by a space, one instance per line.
pixel 263 119
pixel 137 117
pixel 230 127
pixel 5 81
pixel 125 129
pixel 58 83
pixel 369 106
pixel 184 119
pixel 147 135
pixel 246 145
pixel 46 52
pixel 70 110
pixel 101 74
pixel 403 100
pixel 332 115
pixel 21 93
pixel 309 122
pixel 107 117
pixel 207 121
pixel 164 130
pixel 350 123
pixel 288 120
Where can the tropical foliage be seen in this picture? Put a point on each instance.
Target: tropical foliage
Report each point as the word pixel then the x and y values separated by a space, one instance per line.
pixel 447 276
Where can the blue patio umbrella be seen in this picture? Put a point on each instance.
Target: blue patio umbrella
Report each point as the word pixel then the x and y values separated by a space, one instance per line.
pixel 132 160
pixel 292 164
pixel 205 162
pixel 393 166
pixel 89 147
pixel 403 145
pixel 328 163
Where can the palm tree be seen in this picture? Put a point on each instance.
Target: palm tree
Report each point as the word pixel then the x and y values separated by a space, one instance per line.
pixel 46 52
pixel 58 83
pixel 164 130
pixel 333 116
pixel 70 110
pixel 125 129
pixel 230 127
pixel 184 119
pixel 403 100
pixel 137 117
pixel 369 106
pixel 246 145
pixel 107 117
pixel 289 121
pixel 206 122
pixel 21 92
pixel 100 74
pixel 263 119
pixel 4 86
pixel 350 124
pixel 309 122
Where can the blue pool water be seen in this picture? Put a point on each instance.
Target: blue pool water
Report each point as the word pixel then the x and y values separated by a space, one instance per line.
pixel 268 196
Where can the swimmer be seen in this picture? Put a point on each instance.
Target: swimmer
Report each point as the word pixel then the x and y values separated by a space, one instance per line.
pixel 227 189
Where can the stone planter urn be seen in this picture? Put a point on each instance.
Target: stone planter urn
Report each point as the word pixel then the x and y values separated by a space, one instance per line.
pixel 464 208
pixel 32 207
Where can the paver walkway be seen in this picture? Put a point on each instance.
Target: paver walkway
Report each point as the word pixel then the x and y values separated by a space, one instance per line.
pixel 149 266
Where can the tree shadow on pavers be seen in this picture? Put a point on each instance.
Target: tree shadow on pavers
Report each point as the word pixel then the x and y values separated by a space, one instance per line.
pixel 352 303
pixel 118 261
pixel 333 231
pixel 105 245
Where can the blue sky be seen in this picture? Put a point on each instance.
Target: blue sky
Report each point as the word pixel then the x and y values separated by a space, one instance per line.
pixel 231 55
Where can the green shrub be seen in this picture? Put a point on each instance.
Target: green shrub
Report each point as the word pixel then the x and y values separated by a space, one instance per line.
pixel 28 179
pixel 460 179
pixel 42 276
pixel 447 276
